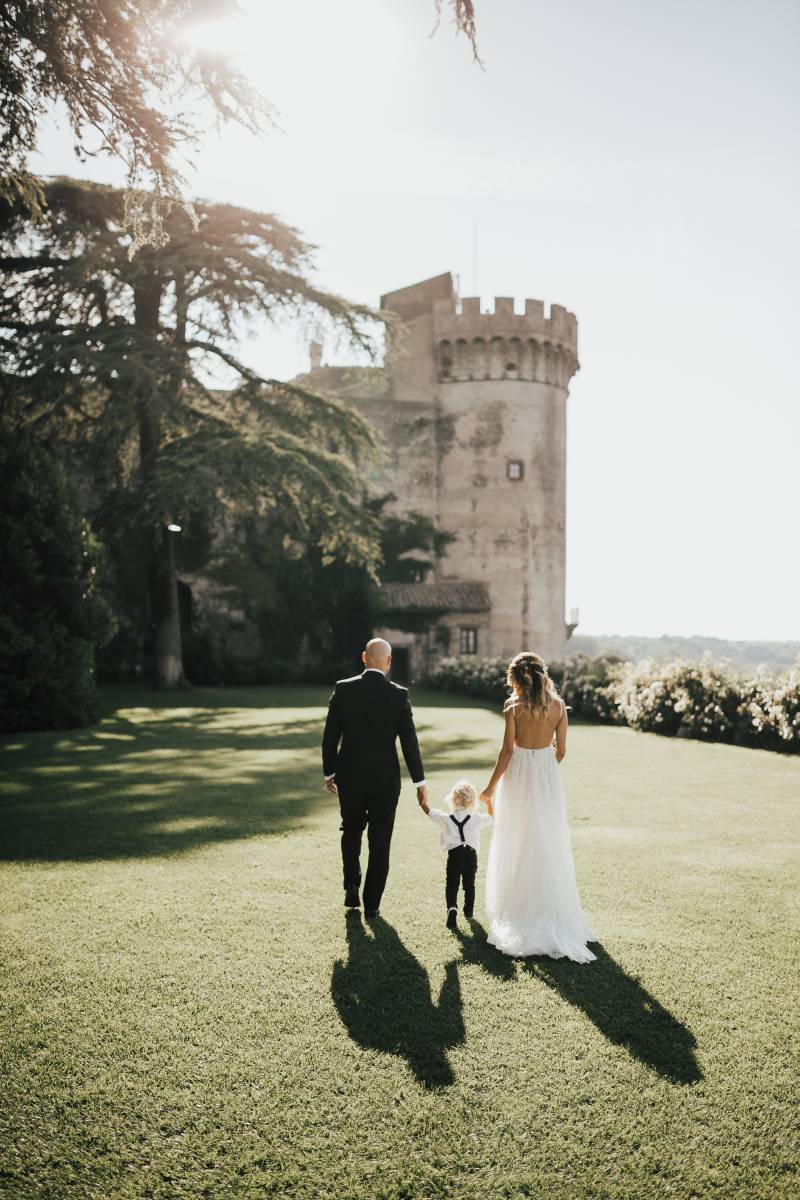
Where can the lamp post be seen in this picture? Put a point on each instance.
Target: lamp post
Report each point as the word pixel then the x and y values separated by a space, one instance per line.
pixel 169 655
pixel 172 528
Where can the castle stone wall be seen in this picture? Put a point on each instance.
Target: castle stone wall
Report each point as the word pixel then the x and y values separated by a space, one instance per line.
pixel 409 435
pixel 472 408
pixel 501 394
pixel 510 532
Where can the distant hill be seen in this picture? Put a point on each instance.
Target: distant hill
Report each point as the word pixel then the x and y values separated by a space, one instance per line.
pixel 776 655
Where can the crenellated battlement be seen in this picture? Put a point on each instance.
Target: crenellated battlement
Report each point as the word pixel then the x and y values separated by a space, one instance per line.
pixel 475 345
pixel 560 326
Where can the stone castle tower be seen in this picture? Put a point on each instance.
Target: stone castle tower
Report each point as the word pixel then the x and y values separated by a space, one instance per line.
pixel 472 406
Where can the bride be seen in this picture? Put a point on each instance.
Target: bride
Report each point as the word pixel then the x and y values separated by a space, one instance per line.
pixel 531 896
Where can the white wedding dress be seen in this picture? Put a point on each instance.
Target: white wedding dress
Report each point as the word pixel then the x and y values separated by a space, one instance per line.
pixel 531 895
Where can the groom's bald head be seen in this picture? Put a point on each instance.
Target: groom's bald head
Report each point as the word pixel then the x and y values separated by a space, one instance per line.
pixel 378 653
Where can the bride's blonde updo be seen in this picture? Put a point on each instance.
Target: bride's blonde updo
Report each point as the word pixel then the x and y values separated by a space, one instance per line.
pixel 530 683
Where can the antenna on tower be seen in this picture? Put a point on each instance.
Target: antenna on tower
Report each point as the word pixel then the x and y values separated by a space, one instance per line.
pixel 475 259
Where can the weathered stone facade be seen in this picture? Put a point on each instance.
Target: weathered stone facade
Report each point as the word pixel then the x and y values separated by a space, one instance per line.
pixel 472 406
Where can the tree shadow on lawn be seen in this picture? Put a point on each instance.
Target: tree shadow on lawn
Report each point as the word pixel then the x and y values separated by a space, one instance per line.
pixel 624 1012
pixel 166 777
pixel 215 699
pixel 383 996
pixel 160 784
pixel 422 697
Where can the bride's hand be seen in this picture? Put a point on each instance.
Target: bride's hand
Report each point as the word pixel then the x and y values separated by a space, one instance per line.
pixel 487 797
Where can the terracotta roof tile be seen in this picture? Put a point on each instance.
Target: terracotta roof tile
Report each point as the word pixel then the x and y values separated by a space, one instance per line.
pixel 447 595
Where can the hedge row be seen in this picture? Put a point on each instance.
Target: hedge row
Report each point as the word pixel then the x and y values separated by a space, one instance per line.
pixel 706 700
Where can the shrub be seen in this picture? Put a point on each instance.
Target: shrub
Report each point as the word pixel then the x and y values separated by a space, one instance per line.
pixel 582 681
pixel 769 712
pixel 51 612
pixel 706 700
pixel 712 702
pixel 699 700
pixel 587 687
pixel 483 678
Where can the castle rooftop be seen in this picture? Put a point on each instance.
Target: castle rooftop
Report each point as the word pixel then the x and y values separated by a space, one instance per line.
pixel 455 318
pixel 445 595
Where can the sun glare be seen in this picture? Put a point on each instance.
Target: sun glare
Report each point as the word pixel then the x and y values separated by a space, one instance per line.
pixel 230 37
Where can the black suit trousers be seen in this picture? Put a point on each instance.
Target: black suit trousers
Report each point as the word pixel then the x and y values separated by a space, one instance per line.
pixel 462 865
pixel 374 811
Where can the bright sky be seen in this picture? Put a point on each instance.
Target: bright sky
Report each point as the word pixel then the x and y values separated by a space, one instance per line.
pixel 635 162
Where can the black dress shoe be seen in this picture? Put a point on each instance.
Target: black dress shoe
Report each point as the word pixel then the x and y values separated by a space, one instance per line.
pixel 468 913
pixel 452 922
pixel 351 899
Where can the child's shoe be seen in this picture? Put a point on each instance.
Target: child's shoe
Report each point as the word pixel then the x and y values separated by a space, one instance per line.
pixel 468 912
pixel 451 918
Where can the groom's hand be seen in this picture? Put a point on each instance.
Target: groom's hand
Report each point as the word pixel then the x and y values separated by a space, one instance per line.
pixel 330 784
pixel 422 795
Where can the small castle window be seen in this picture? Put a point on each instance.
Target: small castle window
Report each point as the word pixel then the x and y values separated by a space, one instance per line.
pixel 515 469
pixel 468 640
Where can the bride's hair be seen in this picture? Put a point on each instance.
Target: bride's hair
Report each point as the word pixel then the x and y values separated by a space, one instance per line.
pixel 530 683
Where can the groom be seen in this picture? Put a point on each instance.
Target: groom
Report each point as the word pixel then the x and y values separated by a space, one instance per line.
pixel 366 715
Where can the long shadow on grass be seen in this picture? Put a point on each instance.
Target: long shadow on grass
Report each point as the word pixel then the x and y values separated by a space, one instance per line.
pixel 624 1012
pixel 383 996
pixel 476 950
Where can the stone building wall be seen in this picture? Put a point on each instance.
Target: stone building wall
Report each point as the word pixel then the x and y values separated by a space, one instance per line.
pixel 502 393
pixel 472 407
pixel 510 532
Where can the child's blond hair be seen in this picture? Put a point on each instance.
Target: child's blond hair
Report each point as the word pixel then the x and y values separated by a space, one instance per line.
pixel 462 795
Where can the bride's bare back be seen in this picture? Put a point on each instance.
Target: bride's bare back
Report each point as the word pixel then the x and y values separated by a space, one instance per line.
pixel 528 731
pixel 536 732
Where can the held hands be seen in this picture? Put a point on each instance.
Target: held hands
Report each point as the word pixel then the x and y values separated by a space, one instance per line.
pixel 422 798
pixel 487 798
pixel 330 784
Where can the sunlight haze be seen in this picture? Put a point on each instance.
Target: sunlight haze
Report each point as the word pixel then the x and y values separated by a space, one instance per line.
pixel 636 163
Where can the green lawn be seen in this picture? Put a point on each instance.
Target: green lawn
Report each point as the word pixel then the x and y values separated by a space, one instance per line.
pixel 187 1011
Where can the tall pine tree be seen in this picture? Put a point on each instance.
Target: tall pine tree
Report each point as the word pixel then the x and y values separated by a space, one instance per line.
pixel 113 355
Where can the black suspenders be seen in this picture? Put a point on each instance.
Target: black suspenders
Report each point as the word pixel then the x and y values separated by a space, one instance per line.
pixel 460 826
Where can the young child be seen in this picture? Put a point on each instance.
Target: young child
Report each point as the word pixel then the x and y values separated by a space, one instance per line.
pixel 460 832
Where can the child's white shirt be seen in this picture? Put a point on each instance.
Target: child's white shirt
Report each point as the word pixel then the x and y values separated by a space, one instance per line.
pixel 474 822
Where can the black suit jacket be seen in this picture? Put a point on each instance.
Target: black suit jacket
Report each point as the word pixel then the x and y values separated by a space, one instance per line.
pixel 366 715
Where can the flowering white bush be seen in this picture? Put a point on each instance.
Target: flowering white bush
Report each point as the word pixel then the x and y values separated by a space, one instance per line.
pixel 706 700
pixel 587 687
pixel 769 711
pixel 699 700
pixel 712 702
